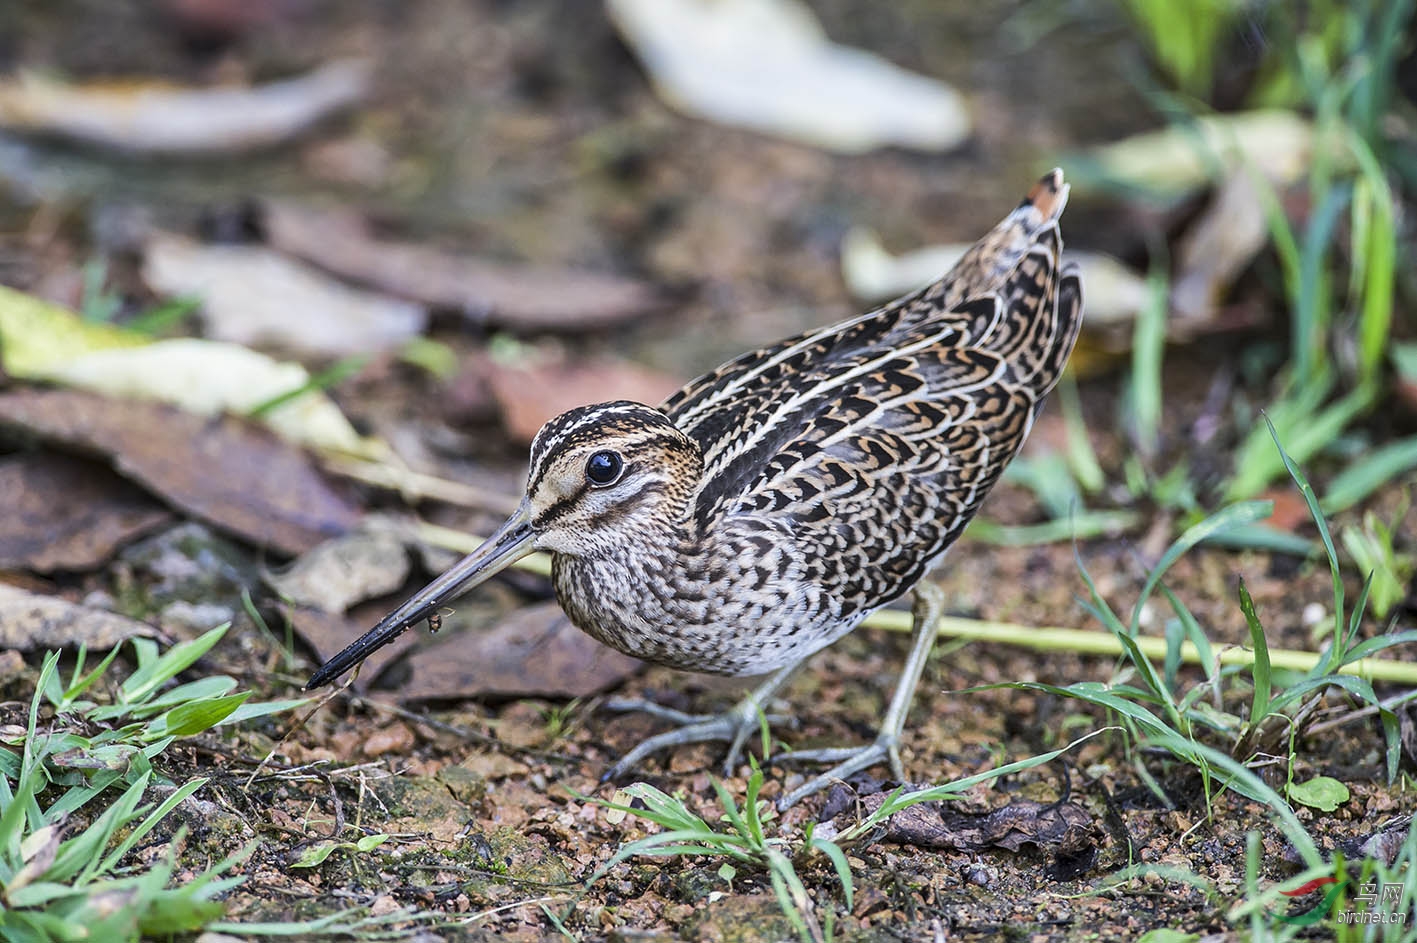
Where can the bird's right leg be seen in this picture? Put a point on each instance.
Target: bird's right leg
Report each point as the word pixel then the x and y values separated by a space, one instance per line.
pixel 735 725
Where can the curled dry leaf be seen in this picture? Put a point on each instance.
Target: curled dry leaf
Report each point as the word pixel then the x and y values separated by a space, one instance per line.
pixel 533 652
pixel 339 573
pixel 35 622
pixel 157 119
pixel 535 390
pixel 1216 248
pixel 38 851
pixel 256 297
pixel 768 65
pixel 522 297
pixel 62 513
pixel 225 471
pixel 1063 827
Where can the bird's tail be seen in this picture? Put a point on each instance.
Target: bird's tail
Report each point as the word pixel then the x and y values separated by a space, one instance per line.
pixel 1020 263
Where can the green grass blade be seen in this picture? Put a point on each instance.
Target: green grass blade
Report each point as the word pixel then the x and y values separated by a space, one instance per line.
pixel 144 682
pixel 1081 457
pixel 1236 515
pixel 331 376
pixel 1148 351
pixel 188 720
pixel 843 868
pixel 1259 703
pixel 1369 473
pixel 1316 512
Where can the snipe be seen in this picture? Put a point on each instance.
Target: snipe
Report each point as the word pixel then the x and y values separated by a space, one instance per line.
pixel 760 513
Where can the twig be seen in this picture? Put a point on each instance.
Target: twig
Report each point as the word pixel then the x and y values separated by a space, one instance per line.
pixel 412 485
pixel 1085 642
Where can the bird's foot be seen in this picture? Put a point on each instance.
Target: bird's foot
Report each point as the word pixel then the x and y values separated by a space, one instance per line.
pixel 733 726
pixel 848 760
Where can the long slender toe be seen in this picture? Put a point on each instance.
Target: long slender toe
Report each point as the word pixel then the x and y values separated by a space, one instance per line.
pixel 852 760
pixel 621 705
pixel 723 727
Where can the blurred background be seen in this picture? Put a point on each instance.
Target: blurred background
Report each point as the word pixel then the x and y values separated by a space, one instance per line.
pixel 443 199
pixel 276 273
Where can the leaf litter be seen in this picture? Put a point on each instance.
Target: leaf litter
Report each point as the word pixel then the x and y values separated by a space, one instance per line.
pixel 148 117
pixel 63 513
pixel 226 470
pixel 251 296
pixel 518 296
pixel 37 622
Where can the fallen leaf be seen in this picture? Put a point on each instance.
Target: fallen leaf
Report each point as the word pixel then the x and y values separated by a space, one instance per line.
pixel 62 513
pixel 1291 511
pixel 38 851
pixel 1278 143
pixel 533 652
pixel 42 341
pixel 534 390
pixel 522 297
pixel 339 573
pixel 209 378
pixel 1115 293
pixel 1216 249
pixel 33 622
pixel 226 471
pixel 36 334
pixel 1065 828
pixel 157 119
pixel 767 65
pixel 251 295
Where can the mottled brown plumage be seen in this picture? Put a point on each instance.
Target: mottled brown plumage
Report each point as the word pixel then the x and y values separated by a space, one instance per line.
pixel 765 509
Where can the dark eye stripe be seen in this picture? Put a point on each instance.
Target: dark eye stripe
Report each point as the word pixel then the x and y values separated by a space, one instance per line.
pixel 560 507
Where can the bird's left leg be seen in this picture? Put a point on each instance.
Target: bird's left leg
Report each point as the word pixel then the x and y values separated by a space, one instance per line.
pixel 929 606
pixel 735 725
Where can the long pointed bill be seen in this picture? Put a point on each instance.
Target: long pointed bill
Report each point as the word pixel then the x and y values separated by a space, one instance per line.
pixel 510 543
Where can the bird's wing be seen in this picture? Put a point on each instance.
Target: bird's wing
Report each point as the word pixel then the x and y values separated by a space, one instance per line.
pixel 877 440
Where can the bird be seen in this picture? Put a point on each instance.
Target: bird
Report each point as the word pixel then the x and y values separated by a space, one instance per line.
pixel 764 510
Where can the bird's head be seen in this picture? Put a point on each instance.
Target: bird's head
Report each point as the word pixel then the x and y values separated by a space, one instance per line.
pixel 606 474
pixel 602 478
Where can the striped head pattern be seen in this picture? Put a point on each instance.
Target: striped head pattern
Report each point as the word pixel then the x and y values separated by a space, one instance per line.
pixel 606 474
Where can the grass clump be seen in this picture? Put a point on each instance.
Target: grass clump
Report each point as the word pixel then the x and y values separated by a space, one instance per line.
pixel 63 874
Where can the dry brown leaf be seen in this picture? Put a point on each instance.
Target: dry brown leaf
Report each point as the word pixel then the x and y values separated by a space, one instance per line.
pixel 32 621
pixel 530 393
pixel 62 513
pixel 1063 827
pixel 226 471
pixel 522 297
pixel 534 651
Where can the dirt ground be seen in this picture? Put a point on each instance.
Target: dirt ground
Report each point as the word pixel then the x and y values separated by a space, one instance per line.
pixel 527 131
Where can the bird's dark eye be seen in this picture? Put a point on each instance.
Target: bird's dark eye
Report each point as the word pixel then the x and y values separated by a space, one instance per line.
pixel 604 468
